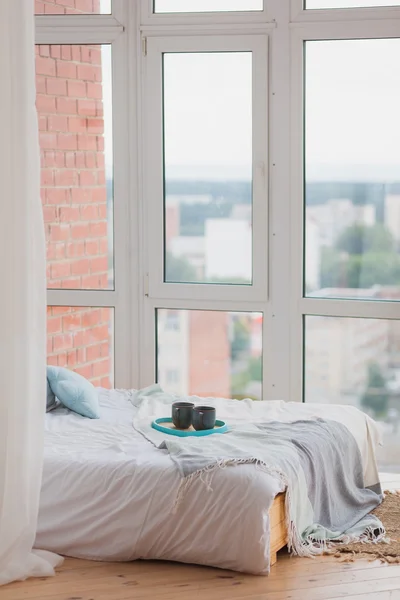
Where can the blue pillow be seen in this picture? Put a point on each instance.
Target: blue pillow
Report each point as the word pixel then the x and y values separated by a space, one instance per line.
pixel 74 391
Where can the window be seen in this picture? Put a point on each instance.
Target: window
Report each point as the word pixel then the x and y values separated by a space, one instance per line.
pixel 362 370
pixel 76 114
pixel 75 121
pixel 346 187
pixel 212 353
pixel 349 3
pixel 206 190
pixel 352 218
pixel 208 167
pixel 202 6
pixel 72 7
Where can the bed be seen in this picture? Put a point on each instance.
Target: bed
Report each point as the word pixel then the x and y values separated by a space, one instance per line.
pixel 108 493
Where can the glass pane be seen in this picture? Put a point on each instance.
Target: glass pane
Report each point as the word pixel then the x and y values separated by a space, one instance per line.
pixel 72 7
pixel 357 362
pixel 208 167
pixel 81 339
pixel 349 3
pixel 352 188
pixel 75 122
pixel 201 6
pixel 210 353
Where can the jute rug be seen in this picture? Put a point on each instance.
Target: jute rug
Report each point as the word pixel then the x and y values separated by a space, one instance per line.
pixel 389 513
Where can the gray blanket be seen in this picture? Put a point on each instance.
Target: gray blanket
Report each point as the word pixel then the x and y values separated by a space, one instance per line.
pixel 319 462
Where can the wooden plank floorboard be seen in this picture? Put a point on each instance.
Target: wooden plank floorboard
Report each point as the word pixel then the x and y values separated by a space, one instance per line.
pixel 389 595
pixel 323 578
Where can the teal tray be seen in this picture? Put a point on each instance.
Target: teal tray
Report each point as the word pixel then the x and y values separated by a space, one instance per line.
pixel 220 427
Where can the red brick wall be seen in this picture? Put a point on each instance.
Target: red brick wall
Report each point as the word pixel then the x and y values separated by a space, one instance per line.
pixel 74 195
pixel 209 352
pixel 80 339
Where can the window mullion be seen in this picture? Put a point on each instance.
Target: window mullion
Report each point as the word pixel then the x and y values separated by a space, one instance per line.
pixel 279 317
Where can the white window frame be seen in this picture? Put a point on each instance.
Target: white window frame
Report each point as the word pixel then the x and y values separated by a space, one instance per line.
pixel 274 307
pixel 110 29
pixel 136 298
pixel 302 306
pixel 154 176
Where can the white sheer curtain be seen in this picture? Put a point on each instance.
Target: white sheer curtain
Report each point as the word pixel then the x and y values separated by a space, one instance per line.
pixel 22 301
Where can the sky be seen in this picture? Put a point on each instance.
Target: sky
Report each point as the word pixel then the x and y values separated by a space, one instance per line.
pixel 352 108
pixel 208 111
pixel 352 111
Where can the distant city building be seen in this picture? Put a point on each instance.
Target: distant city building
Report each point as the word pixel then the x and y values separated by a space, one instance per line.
pixel 339 351
pixel 173 357
pixel 392 215
pixel 243 212
pixel 192 249
pixel 335 216
pixel 225 250
pixel 313 253
pixel 172 220
pixel 228 249
pixel 392 293
pixel 256 335
pixel 189 199
pixel 194 352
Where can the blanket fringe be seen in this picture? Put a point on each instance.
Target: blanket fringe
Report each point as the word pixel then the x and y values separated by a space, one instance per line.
pixel 205 476
pixel 297 546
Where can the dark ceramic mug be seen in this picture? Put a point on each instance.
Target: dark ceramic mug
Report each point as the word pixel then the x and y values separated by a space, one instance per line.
pixel 203 417
pixel 182 413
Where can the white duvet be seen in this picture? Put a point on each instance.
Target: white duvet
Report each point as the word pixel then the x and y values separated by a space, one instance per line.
pixel 108 493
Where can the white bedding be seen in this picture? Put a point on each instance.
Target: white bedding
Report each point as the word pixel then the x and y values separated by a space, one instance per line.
pixel 108 493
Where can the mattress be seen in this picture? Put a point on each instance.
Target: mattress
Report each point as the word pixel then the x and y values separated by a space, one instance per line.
pixel 109 494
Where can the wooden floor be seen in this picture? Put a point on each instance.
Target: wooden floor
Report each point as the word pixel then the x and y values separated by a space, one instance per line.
pixel 324 578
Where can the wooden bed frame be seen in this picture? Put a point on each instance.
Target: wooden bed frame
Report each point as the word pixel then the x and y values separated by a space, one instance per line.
pixel 278 536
